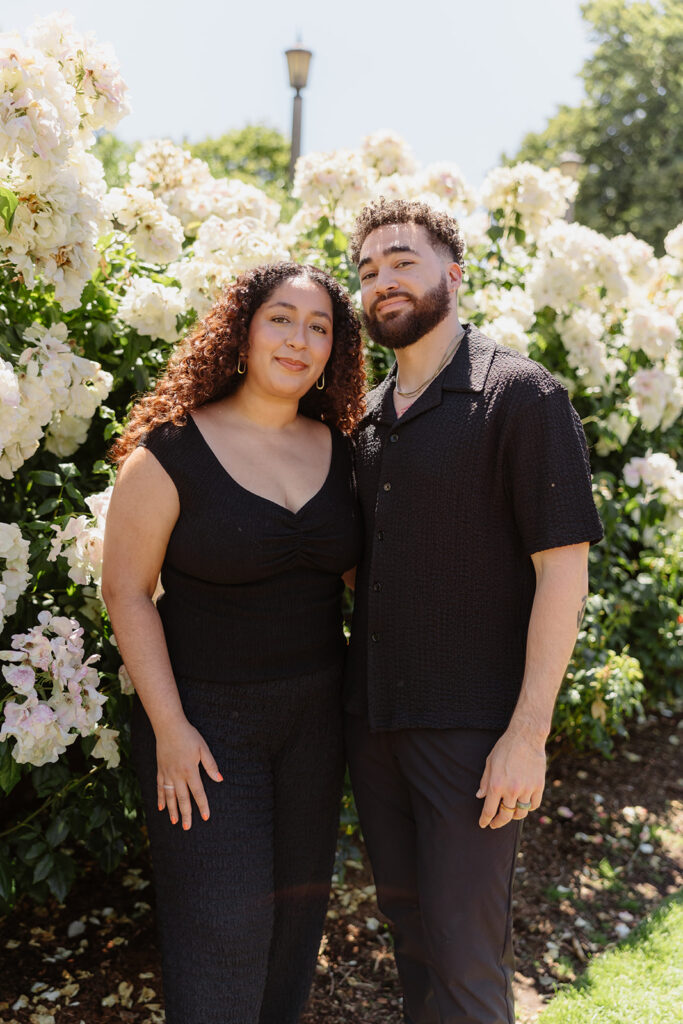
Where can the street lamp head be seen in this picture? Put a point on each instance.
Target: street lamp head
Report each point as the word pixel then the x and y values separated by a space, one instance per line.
pixel 298 62
pixel 570 163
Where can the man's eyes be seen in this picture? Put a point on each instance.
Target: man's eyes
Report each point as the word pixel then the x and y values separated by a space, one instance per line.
pixel 397 266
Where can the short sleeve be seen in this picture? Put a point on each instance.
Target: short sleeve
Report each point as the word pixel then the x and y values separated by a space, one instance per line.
pixel 165 443
pixel 548 475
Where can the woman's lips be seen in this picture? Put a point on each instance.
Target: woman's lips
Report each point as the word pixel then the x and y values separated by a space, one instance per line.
pixel 292 364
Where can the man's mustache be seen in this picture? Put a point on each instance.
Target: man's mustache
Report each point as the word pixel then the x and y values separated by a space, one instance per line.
pixel 383 298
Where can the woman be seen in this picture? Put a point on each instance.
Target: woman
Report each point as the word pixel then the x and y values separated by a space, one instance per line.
pixel 235 483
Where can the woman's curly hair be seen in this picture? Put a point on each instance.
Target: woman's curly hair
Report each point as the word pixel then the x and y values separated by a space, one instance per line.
pixel 203 368
pixel 442 228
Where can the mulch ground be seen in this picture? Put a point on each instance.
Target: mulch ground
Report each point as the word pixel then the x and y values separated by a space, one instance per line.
pixel 603 850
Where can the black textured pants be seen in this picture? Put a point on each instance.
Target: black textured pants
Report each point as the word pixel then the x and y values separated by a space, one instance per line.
pixel 241 898
pixel 444 883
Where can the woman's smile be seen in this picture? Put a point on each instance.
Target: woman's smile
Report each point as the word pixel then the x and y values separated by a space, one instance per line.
pixel 291 364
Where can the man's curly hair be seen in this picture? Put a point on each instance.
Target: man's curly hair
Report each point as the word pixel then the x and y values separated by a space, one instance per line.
pixel 442 229
pixel 203 368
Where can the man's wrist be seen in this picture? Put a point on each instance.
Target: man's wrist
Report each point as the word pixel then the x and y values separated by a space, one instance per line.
pixel 531 726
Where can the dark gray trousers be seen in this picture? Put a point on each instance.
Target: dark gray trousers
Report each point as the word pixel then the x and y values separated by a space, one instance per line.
pixel 241 898
pixel 444 883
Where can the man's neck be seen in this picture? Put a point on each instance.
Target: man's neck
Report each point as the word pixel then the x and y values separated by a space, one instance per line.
pixel 418 361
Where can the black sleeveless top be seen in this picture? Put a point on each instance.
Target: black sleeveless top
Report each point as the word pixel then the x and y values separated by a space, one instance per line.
pixel 252 591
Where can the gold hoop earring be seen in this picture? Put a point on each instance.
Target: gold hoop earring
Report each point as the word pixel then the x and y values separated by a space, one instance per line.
pixel 320 383
pixel 241 367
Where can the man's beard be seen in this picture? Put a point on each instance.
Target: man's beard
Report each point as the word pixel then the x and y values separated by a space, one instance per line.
pixel 406 326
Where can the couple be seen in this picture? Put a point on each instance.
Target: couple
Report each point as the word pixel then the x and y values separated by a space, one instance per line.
pixel 253 479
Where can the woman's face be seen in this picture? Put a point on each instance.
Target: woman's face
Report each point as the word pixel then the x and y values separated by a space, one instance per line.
pixel 290 339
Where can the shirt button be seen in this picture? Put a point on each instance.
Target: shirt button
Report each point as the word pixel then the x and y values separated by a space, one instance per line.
pixel 374 637
pixel 380 535
pixel 377 587
pixel 387 486
pixel 393 438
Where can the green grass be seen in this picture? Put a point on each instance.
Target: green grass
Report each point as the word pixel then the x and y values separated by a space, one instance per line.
pixel 639 982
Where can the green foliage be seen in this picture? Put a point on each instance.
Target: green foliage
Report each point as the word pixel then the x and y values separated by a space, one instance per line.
pixel 255 154
pixel 628 127
pixel 8 207
pixel 53 814
pixel 116 156
pixel 640 980
pixel 602 690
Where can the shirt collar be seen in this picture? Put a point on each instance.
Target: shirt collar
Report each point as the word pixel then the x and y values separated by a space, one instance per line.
pixel 467 371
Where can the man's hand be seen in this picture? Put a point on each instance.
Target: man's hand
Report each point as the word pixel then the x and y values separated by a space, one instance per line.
pixel 515 771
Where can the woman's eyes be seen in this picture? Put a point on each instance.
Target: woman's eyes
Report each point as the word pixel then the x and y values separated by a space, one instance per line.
pixel 280 319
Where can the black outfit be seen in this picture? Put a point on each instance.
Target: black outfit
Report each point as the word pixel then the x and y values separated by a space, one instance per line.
pixel 252 619
pixel 488 466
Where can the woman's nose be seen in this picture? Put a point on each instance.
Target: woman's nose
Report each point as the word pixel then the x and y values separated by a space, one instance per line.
pixel 297 336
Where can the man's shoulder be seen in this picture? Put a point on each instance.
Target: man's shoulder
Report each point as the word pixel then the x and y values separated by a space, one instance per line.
pixel 513 375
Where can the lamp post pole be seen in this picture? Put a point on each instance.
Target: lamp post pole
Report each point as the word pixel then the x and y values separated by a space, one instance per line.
pixel 295 152
pixel 298 63
pixel 570 165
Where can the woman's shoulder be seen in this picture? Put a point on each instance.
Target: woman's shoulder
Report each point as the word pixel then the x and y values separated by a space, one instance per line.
pixel 170 443
pixel 162 435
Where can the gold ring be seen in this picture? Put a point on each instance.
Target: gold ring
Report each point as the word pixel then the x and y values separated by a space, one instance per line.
pixel 513 809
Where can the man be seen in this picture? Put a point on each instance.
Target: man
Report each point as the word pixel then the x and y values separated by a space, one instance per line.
pixel 474 482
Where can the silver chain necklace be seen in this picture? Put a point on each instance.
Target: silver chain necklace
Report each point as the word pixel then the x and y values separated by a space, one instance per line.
pixel 450 352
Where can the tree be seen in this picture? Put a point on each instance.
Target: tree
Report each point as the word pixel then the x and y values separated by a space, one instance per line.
pixel 116 156
pixel 256 154
pixel 628 127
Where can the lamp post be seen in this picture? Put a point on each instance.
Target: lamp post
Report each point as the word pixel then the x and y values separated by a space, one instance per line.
pixel 570 164
pixel 298 62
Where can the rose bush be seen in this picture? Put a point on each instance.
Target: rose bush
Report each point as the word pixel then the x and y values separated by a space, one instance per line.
pixel 95 289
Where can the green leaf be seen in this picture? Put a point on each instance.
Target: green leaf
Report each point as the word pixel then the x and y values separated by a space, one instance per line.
pixel 49 778
pixel 62 876
pixel 47 506
pixel 10 772
pixel 43 867
pixel 46 478
pixel 8 206
pixel 68 469
pixel 98 817
pixel 5 879
pixel 74 493
pixel 340 240
pixel 35 851
pixel 57 831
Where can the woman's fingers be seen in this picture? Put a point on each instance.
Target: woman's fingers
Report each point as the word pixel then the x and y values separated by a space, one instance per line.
pixel 184 803
pixel 209 764
pixel 169 801
pixel 178 781
pixel 197 790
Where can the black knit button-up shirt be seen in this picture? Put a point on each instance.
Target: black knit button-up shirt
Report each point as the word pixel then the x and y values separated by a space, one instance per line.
pixel 488 466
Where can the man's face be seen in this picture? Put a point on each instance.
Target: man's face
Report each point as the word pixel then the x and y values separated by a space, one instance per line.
pixel 406 285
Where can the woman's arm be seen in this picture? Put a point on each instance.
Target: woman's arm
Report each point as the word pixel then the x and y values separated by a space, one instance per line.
pixel 143 511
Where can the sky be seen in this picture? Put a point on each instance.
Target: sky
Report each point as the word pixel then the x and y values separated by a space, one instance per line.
pixel 461 82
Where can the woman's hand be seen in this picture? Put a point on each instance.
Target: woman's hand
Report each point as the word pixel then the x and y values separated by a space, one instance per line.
pixel 180 751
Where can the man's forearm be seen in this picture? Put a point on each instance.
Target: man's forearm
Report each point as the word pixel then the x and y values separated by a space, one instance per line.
pixel 559 602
